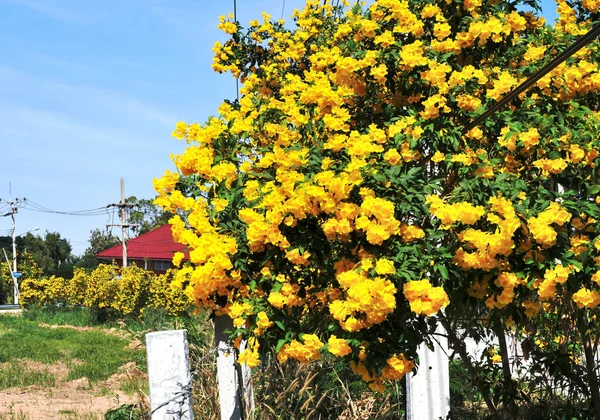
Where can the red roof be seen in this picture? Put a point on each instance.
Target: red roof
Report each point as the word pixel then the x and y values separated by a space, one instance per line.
pixel 158 244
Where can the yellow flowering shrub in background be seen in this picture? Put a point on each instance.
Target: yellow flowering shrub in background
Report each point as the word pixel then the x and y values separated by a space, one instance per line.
pixel 342 199
pixel 124 291
pixel 133 290
pixel 101 287
pixel 165 293
pixel 43 291
pixel 29 269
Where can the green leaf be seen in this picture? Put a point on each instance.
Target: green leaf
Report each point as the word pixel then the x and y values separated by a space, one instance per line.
pixel 595 189
pixel 280 344
pixel 443 271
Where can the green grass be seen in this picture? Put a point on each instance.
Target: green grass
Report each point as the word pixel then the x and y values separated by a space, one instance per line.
pixel 134 384
pixel 53 315
pixel 13 416
pixel 14 375
pixel 98 355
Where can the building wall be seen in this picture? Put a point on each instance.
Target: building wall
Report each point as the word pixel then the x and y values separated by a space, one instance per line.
pixel 157 266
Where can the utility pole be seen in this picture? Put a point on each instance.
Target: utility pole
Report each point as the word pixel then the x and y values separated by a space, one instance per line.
pixel 123 206
pixel 14 210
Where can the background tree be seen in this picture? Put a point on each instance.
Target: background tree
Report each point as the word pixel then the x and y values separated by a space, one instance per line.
pixel 146 215
pixel 51 252
pixel 99 241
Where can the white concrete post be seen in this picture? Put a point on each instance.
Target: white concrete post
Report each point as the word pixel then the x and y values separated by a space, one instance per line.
pixel 169 375
pixel 428 392
pixel 227 374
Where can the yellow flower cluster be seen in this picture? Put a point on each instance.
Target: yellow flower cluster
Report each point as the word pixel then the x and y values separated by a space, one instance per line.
pixel 396 367
pixel 368 301
pixel 488 246
pixel 377 220
pixel 552 277
pixel 508 282
pixel 304 352
pixel 585 298
pixel 250 355
pixel 338 346
pixel 540 227
pixel 452 213
pixel 424 298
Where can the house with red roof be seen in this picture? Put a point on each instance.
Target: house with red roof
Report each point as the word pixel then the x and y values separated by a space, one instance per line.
pixel 152 251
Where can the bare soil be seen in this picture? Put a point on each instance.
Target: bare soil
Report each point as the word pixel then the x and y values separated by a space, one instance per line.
pixel 134 342
pixel 71 399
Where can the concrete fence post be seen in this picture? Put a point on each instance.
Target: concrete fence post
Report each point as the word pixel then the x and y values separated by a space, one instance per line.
pixel 428 392
pixel 169 375
pixel 227 374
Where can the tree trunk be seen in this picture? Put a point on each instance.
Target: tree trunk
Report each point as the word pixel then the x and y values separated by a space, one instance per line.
pixel 591 372
pixel 508 381
pixel 459 346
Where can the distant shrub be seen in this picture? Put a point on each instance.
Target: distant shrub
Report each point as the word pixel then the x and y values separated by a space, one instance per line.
pixel 125 291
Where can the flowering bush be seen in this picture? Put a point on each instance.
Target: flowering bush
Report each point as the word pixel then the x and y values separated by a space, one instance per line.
pixel 166 293
pixel 29 270
pixel 339 204
pixel 126 291
pixel 43 291
pixel 133 289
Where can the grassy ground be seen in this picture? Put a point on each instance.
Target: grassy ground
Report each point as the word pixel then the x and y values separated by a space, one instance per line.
pixel 319 390
pixel 52 351
pixel 88 353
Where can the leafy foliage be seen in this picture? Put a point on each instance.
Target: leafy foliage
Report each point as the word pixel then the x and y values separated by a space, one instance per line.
pixel 339 204
pixel 99 241
pixel 146 215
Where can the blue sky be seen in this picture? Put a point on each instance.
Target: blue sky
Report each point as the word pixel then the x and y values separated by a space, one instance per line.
pixel 90 92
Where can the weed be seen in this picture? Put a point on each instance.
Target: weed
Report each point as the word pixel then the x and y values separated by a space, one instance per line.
pixel 13 416
pixel 61 315
pixel 134 384
pixel 124 412
pixel 319 390
pixel 15 375
pixel 75 415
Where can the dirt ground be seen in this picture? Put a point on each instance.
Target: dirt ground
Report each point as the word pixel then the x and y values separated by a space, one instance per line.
pixel 70 399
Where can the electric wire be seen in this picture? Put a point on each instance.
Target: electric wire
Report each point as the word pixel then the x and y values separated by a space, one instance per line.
pixel 563 56
pixel 33 206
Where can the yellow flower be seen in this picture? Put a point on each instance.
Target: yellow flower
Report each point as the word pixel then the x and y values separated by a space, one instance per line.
pixel 338 346
pixel 178 258
pixel 262 320
pixel 425 299
pixel 384 266
pixel 438 157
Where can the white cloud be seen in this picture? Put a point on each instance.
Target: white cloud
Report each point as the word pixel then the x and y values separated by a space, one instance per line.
pixel 15 83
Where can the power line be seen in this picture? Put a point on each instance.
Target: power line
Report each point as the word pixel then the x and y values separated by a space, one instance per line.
pixel 563 56
pixel 33 206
